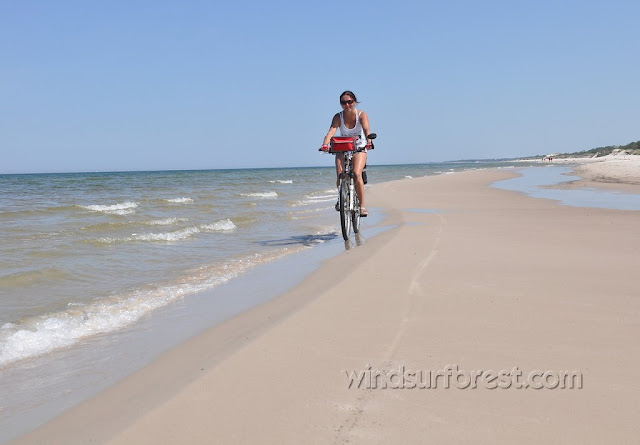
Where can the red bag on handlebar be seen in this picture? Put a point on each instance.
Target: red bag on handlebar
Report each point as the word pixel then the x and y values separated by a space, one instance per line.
pixel 342 143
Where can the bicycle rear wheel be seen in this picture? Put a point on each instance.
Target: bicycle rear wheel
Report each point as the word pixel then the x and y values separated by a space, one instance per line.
pixel 345 220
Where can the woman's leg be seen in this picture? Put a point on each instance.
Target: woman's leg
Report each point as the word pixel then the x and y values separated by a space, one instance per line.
pixel 339 159
pixel 359 161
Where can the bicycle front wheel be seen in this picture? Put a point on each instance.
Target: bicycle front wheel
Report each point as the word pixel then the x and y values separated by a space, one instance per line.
pixel 345 213
pixel 355 214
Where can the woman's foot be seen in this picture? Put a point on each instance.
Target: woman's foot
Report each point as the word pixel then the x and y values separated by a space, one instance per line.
pixel 363 212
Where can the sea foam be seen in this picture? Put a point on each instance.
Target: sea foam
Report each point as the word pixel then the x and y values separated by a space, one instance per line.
pixel 315 199
pixel 34 336
pixel 123 208
pixel 165 221
pixel 260 195
pixel 179 200
pixel 166 236
pixel 224 225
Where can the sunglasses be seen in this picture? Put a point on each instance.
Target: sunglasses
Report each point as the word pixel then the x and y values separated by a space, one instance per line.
pixel 346 102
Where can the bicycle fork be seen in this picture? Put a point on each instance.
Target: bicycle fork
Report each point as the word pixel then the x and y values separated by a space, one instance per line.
pixel 348 176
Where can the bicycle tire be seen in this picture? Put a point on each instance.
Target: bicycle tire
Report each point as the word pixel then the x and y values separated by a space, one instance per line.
pixel 345 220
pixel 355 214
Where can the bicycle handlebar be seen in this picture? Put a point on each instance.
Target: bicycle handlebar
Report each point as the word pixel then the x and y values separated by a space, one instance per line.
pixel 371 136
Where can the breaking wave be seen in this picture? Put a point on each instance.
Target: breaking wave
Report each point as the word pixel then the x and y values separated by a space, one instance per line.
pixel 123 208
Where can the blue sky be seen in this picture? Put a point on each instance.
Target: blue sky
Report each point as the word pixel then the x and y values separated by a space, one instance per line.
pixel 152 85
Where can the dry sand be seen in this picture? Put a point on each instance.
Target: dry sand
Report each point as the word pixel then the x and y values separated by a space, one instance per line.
pixel 491 280
pixel 612 170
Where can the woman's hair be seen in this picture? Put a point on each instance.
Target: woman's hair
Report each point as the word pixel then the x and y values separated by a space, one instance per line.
pixel 350 94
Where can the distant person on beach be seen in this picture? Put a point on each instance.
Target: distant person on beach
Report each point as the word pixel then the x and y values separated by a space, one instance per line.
pixel 351 122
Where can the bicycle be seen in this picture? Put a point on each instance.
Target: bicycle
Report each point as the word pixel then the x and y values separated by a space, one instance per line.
pixel 348 201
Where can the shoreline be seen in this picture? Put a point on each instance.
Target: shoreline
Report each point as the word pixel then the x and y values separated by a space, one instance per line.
pixel 122 353
pixel 72 374
pixel 467 275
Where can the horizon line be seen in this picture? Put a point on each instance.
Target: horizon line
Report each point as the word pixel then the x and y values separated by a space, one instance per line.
pixel 247 168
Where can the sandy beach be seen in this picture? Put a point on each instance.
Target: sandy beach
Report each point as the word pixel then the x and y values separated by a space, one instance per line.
pixel 619 170
pixel 616 171
pixel 467 281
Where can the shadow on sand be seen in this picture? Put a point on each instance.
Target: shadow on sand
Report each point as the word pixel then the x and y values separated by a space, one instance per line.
pixel 305 240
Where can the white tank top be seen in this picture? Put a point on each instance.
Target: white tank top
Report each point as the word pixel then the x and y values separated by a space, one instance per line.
pixel 355 131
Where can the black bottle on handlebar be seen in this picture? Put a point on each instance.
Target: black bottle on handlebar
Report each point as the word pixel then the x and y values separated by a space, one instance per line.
pixel 364 173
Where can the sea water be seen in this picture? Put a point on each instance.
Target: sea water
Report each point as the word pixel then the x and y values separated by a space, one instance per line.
pixel 89 260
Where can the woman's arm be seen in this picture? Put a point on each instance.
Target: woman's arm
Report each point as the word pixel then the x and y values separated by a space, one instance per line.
pixel 335 124
pixel 364 121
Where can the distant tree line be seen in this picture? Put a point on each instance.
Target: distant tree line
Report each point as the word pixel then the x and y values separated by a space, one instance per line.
pixel 632 148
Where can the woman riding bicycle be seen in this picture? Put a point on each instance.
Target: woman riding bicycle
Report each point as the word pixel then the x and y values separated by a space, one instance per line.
pixel 351 122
